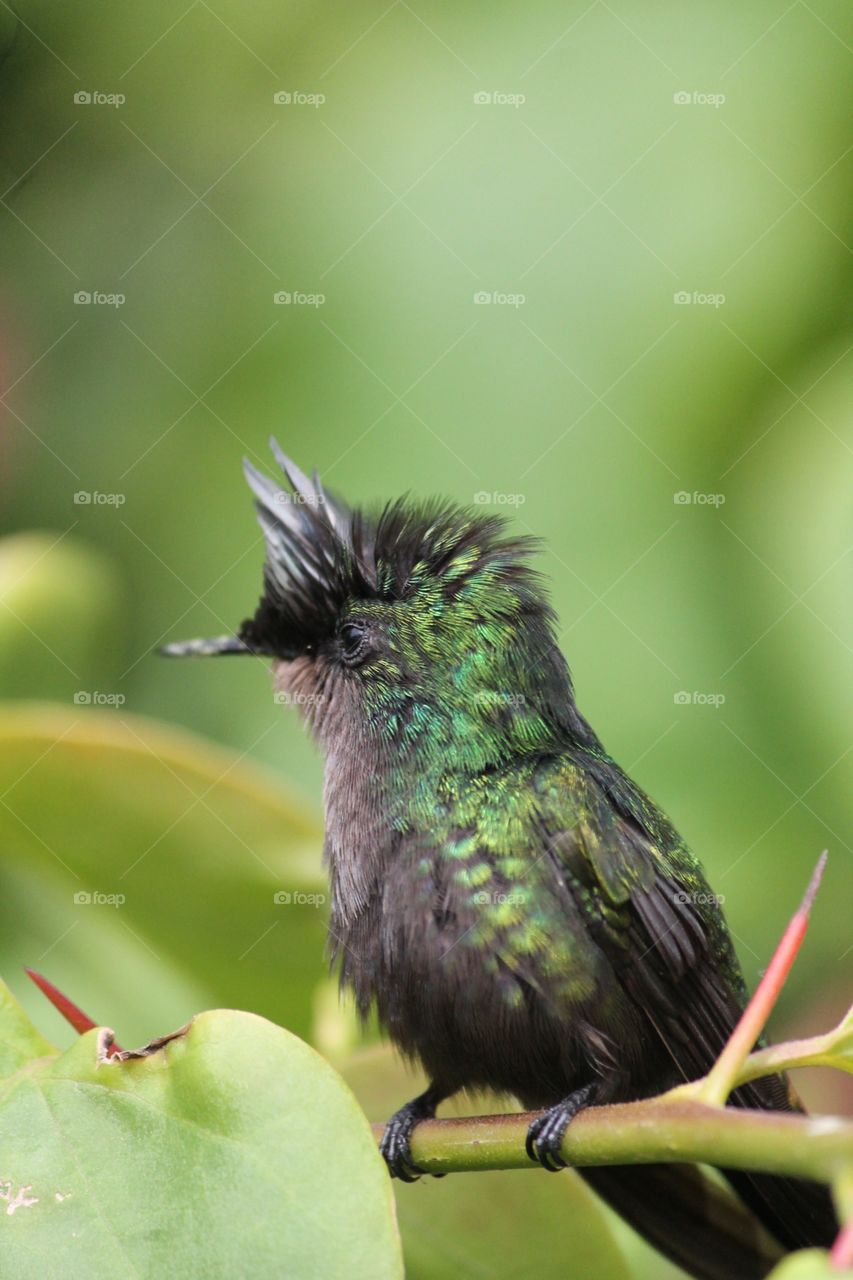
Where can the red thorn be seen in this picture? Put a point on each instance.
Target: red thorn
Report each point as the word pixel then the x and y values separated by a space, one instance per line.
pixel 767 993
pixel 754 1017
pixel 841 1256
pixel 72 1013
pixel 814 884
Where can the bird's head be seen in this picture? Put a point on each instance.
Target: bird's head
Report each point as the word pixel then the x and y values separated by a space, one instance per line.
pixel 422 621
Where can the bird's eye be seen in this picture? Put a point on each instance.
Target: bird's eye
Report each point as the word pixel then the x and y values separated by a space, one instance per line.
pixel 353 637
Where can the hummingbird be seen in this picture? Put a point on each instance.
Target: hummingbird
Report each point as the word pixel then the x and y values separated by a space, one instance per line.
pixel 521 916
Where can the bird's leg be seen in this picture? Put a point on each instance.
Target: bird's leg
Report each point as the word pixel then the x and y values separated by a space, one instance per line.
pixel 398 1132
pixel 545 1135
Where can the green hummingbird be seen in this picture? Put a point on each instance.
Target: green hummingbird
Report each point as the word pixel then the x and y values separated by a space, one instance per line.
pixel 521 916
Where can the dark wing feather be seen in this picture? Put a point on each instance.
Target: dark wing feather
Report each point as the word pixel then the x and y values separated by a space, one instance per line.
pixel 666 939
pixel 654 918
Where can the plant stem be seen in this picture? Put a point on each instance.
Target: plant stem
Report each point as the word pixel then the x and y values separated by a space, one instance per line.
pixel 816 1051
pixel 646 1132
pixel 832 1049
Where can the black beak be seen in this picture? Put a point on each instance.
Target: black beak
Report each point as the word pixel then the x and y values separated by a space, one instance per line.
pixel 210 648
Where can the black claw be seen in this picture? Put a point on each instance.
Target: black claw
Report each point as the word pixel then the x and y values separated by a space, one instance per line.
pixel 546 1132
pixel 395 1147
pixel 396 1140
pixel 533 1137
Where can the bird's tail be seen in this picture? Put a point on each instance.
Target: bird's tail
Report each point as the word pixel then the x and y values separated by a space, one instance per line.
pixel 689 1217
pixel 692 1219
pixel 798 1213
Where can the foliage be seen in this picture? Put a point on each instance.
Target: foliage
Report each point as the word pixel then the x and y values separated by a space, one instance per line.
pixel 232 1149
pixel 582 413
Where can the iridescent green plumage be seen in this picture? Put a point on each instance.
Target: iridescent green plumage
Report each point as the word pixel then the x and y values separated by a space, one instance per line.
pixel 519 913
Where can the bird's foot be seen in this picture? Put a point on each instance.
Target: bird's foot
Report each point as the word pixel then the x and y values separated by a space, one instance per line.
pixel 545 1135
pixel 395 1145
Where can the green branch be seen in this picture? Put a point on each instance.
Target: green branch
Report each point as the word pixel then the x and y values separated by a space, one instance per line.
pixel 689 1124
pixel 680 1125
pixel 832 1049
pixel 648 1132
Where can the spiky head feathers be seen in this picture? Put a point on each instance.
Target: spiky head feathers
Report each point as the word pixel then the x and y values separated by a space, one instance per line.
pixel 325 561
pixel 429 615
pixel 423 623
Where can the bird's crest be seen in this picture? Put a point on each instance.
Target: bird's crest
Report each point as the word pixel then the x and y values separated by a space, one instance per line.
pixel 321 553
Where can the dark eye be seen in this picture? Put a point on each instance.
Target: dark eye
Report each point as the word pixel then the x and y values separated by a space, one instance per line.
pixel 353 637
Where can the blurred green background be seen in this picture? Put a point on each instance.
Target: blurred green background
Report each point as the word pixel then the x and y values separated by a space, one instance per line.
pixel 652 199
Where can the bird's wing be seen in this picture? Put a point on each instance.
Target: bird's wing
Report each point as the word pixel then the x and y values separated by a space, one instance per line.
pixel 652 913
pixel 650 910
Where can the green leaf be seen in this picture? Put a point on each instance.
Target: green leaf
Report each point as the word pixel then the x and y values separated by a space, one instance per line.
pixel 513 1223
pixel 62 614
pixel 190 842
pixel 233 1150
pixel 20 1043
pixel 807 1264
pixel 843 1193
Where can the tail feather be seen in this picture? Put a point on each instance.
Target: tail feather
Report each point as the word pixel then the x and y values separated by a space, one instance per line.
pixel 799 1214
pixel 694 1220
pixel 689 1217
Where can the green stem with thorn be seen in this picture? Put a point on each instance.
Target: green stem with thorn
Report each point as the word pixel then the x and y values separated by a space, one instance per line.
pixel 690 1124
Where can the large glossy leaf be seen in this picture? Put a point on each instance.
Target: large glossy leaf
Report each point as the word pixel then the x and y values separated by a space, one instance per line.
pixel 136 856
pixel 233 1150
pixel 808 1264
pixel 501 1225
pixel 61 618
